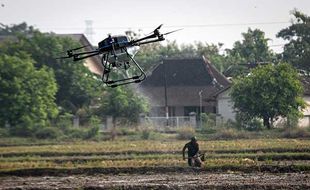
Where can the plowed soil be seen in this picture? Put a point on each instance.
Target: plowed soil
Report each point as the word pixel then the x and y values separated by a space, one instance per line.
pixel 163 181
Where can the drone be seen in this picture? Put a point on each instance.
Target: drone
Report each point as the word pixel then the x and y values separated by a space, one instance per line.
pixel 115 56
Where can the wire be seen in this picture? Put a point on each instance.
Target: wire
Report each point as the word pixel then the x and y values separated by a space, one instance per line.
pixel 178 26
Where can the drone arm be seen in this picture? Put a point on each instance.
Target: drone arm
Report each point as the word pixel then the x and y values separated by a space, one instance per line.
pixel 150 41
pixel 80 56
pixel 141 39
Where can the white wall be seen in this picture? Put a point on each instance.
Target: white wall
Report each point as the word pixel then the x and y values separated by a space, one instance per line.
pixel 305 122
pixel 225 106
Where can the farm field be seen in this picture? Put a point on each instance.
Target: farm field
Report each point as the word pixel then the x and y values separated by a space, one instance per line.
pixel 238 164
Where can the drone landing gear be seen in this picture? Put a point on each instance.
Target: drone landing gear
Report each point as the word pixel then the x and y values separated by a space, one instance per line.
pixel 112 60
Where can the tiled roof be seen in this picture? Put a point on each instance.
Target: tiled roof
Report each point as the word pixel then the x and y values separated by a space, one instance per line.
pixel 96 66
pixel 184 72
pixel 185 78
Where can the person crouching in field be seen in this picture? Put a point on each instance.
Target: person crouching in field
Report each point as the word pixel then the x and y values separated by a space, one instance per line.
pixel 193 153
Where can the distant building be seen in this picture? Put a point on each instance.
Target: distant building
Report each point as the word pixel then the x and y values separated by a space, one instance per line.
pixel 184 86
pixel 92 63
pixel 305 122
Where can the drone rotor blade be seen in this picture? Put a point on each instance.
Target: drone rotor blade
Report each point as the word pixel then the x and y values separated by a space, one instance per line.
pixel 156 29
pixel 173 31
pixel 159 27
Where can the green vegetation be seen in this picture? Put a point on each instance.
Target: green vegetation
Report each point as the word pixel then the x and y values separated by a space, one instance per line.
pixel 297 51
pixel 268 93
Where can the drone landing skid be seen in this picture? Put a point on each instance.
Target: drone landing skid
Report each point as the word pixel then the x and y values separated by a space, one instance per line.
pixel 120 62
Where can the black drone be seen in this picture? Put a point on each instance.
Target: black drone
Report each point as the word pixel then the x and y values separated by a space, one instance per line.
pixel 115 55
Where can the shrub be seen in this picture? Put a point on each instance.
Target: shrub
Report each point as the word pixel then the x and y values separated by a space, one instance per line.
pixel 48 133
pixel 185 133
pixel 296 132
pixel 77 133
pixel 4 132
pixel 208 120
pixel 146 133
pixel 64 121
pixel 92 132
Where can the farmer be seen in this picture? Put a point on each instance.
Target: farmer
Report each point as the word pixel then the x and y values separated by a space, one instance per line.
pixel 193 153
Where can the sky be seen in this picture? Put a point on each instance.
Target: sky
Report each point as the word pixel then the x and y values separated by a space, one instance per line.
pixel 208 21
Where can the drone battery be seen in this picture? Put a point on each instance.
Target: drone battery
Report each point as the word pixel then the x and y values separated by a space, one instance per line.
pixel 117 41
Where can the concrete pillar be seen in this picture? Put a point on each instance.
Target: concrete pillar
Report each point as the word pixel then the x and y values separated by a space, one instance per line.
pixel 192 119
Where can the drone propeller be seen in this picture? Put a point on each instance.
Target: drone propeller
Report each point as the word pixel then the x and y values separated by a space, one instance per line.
pixel 172 31
pixel 156 30
pixel 159 27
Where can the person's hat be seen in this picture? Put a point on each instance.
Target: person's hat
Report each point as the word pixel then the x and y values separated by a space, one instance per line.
pixel 193 139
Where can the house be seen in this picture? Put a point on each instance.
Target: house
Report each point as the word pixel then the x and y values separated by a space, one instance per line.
pixel 224 106
pixel 92 63
pixel 177 87
pixel 305 121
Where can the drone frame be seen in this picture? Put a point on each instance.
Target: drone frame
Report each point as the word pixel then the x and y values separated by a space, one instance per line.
pixel 109 50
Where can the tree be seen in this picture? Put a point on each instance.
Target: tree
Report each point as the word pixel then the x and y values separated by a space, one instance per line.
pixel 27 95
pixel 151 54
pixel 268 92
pixel 124 102
pixel 252 49
pixel 297 50
pixel 76 85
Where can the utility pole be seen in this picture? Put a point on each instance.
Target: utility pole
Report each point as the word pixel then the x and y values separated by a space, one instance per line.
pixel 200 106
pixel 166 98
pixel 89 30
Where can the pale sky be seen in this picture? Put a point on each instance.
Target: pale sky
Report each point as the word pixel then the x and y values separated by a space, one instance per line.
pixel 210 21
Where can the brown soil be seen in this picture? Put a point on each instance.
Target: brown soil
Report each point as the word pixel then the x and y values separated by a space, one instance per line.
pixel 164 181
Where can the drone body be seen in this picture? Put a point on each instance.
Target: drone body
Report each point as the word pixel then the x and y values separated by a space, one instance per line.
pixel 115 56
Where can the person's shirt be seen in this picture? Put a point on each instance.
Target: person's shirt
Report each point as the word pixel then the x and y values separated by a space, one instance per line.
pixel 193 148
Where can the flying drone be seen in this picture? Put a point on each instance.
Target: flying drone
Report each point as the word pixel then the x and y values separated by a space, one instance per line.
pixel 115 56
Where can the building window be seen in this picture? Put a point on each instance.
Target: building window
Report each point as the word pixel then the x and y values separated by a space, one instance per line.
pixel 189 109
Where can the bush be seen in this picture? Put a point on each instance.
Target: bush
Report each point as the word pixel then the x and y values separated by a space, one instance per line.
pixel 296 132
pixel 92 132
pixel 146 133
pixel 76 133
pixel 185 133
pixel 4 132
pixel 208 120
pixel 48 133
pixel 64 121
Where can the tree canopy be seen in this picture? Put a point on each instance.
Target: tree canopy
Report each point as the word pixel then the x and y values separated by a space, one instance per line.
pixel 252 49
pixel 124 102
pixel 297 50
pixel 76 85
pixel 268 92
pixel 27 95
